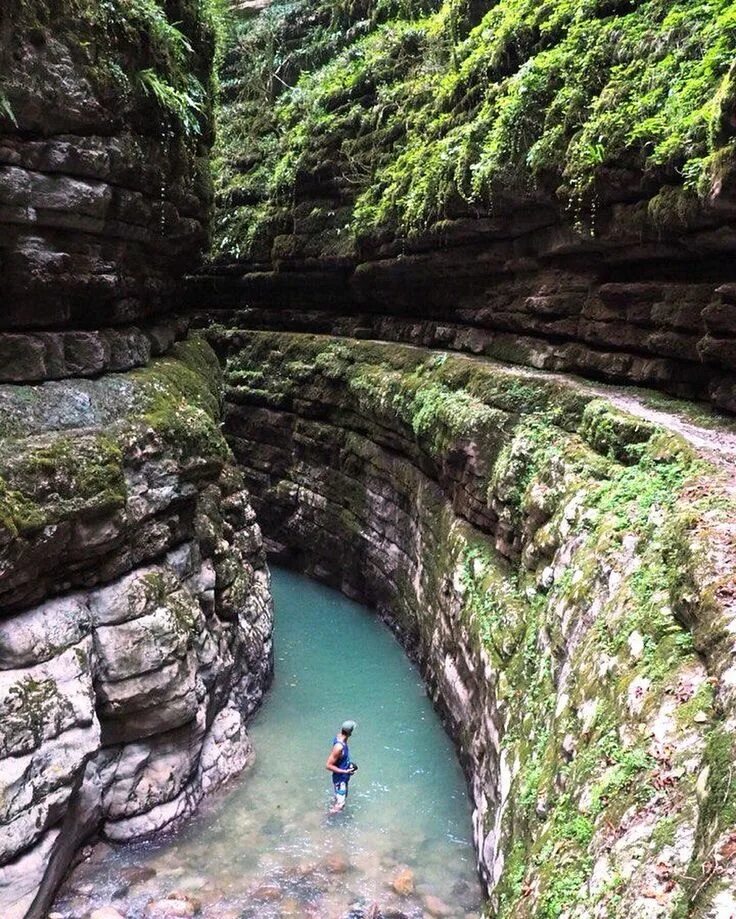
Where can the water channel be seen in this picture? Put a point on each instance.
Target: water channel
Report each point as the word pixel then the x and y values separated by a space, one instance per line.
pixel 267 846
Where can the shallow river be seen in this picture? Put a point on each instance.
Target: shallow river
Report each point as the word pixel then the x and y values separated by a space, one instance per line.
pixel 267 846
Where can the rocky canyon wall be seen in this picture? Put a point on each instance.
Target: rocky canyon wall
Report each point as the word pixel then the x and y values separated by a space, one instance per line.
pixel 549 184
pixel 105 129
pixel 135 608
pixel 556 565
pixel 135 637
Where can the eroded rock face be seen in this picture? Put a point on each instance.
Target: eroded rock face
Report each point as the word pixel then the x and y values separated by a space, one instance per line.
pixel 551 561
pixel 104 193
pixel 135 638
pixel 463 179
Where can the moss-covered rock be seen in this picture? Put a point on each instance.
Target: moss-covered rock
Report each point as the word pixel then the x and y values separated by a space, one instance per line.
pixel 541 551
pixel 135 636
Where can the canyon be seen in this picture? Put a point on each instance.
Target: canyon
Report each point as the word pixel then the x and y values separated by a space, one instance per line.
pixel 370 379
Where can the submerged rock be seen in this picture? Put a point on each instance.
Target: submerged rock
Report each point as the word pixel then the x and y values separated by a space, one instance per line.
pixel 335 863
pixel 105 912
pixel 137 874
pixel 436 907
pixel 268 893
pixel 171 908
pixel 402 882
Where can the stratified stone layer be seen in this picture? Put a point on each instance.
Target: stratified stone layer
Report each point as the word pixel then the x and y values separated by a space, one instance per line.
pixel 552 562
pixel 135 636
pixel 104 194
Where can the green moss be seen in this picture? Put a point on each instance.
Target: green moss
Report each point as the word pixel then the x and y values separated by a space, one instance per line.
pixel 493 605
pixel 701 705
pixel 444 101
pixel 180 398
pixel 720 804
pixel 32 705
pixel 664 833
pixel 50 478
pixel 615 433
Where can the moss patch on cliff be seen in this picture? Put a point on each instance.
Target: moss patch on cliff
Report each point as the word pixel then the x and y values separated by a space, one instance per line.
pixel 51 478
pixel 48 478
pixel 577 581
pixel 404 114
pixel 179 397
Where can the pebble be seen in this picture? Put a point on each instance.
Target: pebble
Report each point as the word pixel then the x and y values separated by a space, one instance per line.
pixel 403 882
pixel 137 874
pixel 336 863
pixel 267 892
pixel 105 912
pixel 170 909
pixel 100 853
pixel 436 907
pixel 182 895
pixel 192 883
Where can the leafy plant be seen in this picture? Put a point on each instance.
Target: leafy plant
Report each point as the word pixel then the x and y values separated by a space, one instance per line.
pixel 415 105
pixel 185 105
pixel 6 110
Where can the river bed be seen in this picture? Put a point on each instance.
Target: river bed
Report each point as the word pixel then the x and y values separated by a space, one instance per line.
pixel 267 845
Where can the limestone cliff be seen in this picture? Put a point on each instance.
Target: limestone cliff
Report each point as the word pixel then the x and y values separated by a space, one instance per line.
pixel 135 636
pixel 105 128
pixel 135 609
pixel 546 183
pixel 562 569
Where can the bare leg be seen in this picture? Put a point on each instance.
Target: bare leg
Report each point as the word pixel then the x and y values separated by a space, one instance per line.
pixel 341 796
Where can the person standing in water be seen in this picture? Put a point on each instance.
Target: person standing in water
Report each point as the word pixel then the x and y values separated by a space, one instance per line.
pixel 339 764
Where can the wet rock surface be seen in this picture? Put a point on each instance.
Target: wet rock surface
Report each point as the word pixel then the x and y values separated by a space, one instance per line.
pixel 135 639
pixel 493 518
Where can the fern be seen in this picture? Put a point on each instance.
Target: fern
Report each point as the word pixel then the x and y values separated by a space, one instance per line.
pixel 184 105
pixel 6 110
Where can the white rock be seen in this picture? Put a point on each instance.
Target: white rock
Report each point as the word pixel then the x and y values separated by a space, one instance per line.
pixel 105 912
pixel 636 644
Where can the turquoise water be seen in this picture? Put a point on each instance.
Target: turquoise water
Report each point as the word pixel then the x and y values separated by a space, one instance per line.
pixel 268 846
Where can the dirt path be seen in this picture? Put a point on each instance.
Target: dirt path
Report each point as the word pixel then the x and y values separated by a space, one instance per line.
pixel 714 438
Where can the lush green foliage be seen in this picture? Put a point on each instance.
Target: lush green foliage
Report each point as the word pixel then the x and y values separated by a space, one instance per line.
pixel 409 110
pixel 139 49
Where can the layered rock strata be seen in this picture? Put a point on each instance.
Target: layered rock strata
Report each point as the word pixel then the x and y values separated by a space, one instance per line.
pixel 104 180
pixel 618 309
pixel 552 185
pixel 135 635
pixel 557 567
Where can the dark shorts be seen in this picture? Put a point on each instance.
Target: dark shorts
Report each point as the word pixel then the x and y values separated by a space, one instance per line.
pixel 340 785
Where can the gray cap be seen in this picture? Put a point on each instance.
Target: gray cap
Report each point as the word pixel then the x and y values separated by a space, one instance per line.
pixel 348 727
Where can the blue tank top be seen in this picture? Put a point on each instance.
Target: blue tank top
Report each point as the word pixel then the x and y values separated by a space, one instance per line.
pixel 343 762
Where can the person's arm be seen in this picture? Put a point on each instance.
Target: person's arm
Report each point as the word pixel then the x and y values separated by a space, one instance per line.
pixel 332 761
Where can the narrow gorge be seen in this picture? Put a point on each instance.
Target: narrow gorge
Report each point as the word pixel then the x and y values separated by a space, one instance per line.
pixel 433 301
